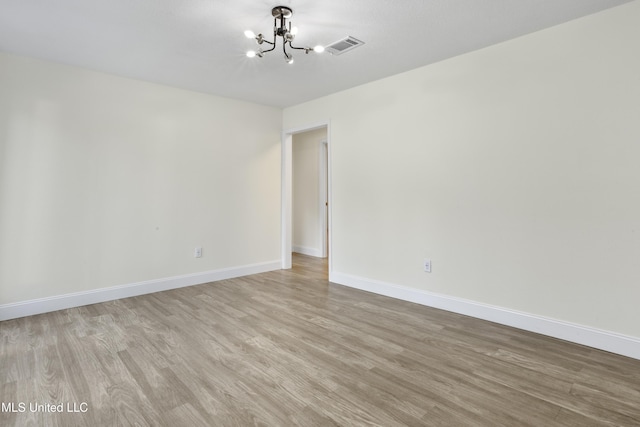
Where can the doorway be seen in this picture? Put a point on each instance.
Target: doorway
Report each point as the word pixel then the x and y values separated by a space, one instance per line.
pixel 321 241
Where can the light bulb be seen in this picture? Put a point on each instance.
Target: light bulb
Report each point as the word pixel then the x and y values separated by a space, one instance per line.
pixel 251 54
pixel 249 34
pixel 318 49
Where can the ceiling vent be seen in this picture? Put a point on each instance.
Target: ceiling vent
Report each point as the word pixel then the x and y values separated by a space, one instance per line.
pixel 344 45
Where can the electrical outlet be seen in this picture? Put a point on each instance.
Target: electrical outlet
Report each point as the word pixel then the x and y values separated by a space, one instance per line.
pixel 427 265
pixel 197 253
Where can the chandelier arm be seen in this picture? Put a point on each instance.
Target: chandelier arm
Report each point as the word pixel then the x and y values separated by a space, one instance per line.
pixel 273 43
pixel 269 50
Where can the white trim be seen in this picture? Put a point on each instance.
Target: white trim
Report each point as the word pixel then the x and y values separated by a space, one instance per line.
pixel 77 299
pixel 592 337
pixel 308 251
pixel 323 196
pixel 330 201
pixel 307 128
pixel 286 216
pixel 286 209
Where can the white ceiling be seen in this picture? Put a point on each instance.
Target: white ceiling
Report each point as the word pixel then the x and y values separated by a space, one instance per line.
pixel 199 44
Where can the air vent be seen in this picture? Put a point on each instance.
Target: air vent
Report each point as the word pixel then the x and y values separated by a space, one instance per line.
pixel 344 45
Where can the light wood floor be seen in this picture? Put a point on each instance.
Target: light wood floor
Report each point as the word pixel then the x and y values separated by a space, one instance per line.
pixel 288 348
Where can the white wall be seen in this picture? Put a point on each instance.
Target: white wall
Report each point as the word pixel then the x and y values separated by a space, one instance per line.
pixel 106 181
pixel 307 222
pixel 514 168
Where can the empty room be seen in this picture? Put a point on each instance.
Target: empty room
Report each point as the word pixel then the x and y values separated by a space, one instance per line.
pixel 336 213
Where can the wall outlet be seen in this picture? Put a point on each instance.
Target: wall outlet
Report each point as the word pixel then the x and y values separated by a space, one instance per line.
pixel 427 265
pixel 197 252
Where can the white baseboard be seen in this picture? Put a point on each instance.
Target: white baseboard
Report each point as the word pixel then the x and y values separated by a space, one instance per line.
pixel 77 299
pixel 307 251
pixel 592 337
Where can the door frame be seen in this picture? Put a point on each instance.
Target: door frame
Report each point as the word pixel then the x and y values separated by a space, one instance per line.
pixel 286 212
pixel 323 196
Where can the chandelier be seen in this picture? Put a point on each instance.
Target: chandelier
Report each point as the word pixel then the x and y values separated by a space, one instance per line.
pixel 280 29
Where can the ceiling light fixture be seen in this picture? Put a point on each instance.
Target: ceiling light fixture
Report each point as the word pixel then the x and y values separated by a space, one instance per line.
pixel 280 29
